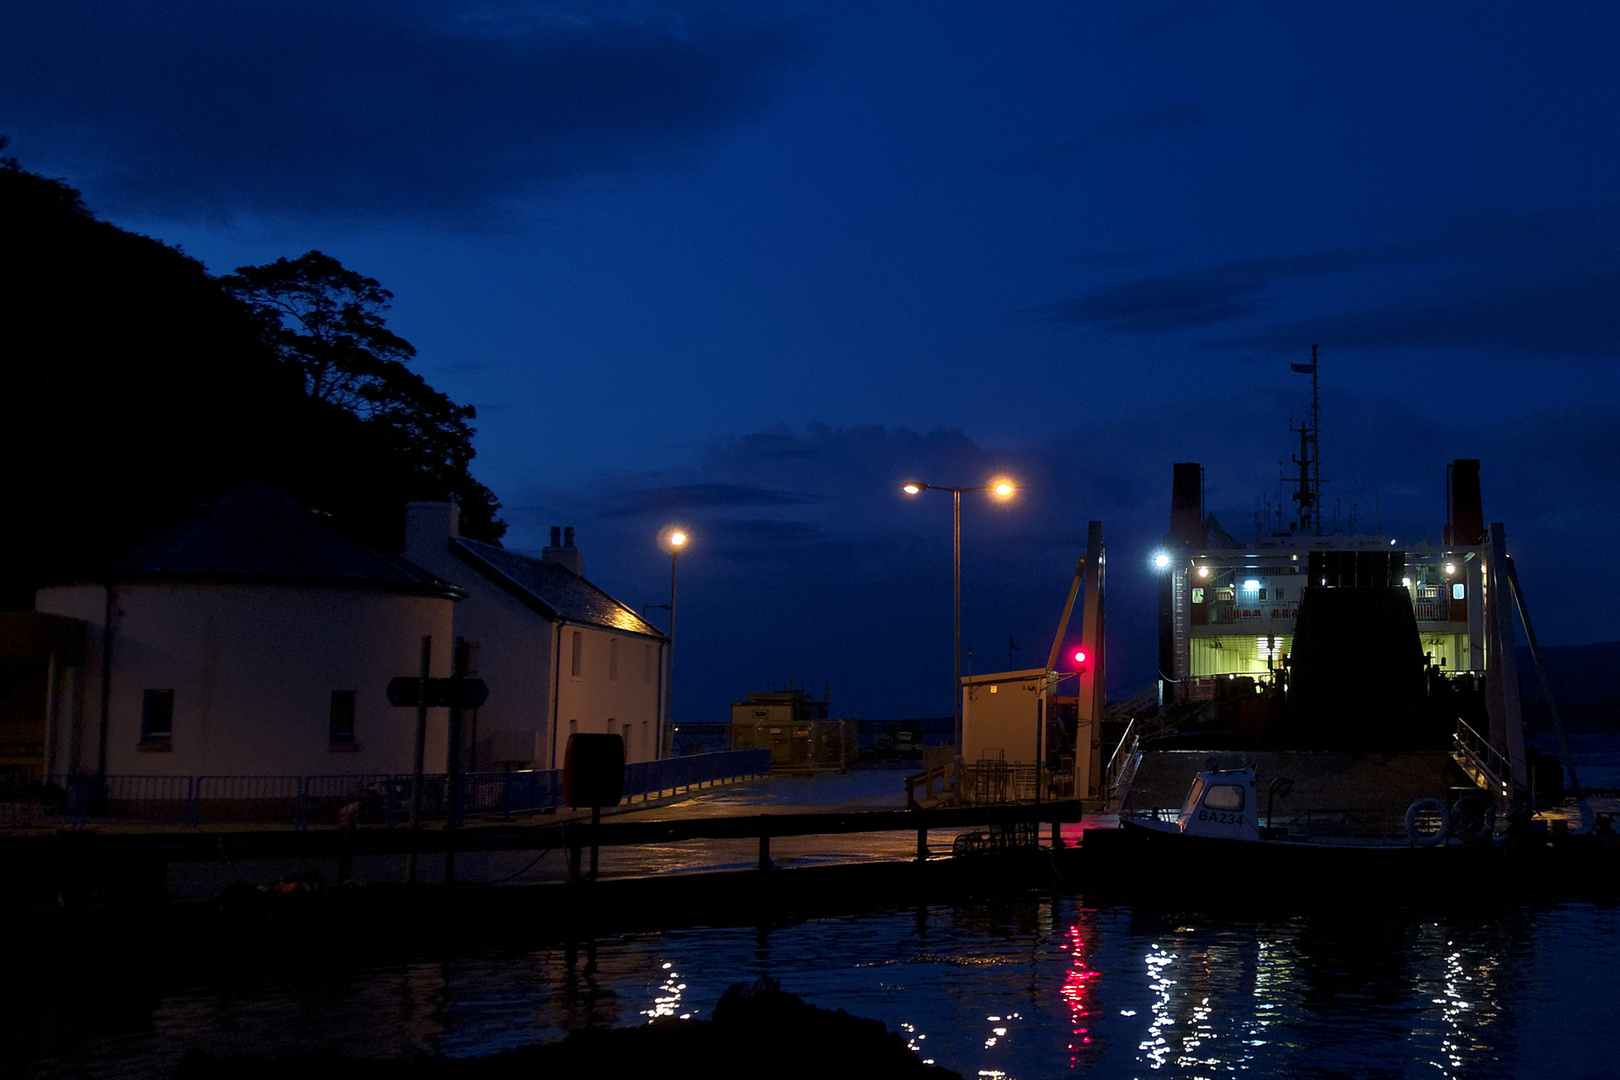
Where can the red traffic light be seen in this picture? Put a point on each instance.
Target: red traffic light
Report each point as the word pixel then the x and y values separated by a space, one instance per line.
pixel 1079 656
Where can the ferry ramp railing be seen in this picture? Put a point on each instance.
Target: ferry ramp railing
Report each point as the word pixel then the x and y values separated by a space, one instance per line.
pixel 1485 765
pixel 1122 765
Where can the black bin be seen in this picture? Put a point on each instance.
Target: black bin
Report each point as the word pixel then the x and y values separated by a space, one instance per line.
pixel 593 771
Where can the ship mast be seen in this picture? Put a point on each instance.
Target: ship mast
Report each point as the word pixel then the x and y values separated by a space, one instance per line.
pixel 1309 492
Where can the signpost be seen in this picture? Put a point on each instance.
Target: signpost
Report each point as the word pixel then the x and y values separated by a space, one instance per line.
pixel 448 693
pixel 423 692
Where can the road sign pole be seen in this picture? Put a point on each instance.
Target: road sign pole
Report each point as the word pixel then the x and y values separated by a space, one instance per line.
pixel 416 763
pixel 456 692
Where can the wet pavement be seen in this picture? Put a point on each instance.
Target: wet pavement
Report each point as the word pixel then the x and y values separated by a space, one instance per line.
pixel 859 789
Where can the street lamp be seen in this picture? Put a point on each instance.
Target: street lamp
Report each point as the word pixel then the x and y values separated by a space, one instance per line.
pixel 1001 489
pixel 674 538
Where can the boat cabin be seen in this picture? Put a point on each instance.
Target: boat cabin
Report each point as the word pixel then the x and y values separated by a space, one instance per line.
pixel 1221 803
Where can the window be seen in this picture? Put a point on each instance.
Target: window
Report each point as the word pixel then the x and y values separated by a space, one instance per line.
pixel 1224 797
pixel 577 663
pixel 613 659
pixel 340 721
pixel 1457 591
pixel 157 716
pixel 624 734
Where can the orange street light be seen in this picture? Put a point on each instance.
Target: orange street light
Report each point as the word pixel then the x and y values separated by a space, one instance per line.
pixel 675 538
pixel 1001 488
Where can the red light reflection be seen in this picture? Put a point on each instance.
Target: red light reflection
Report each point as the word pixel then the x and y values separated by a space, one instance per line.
pixel 1076 992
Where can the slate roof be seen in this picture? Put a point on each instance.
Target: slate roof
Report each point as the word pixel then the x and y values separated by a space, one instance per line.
pixel 552 590
pixel 260 534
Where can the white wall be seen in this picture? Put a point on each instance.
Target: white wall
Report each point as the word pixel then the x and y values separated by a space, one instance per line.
pixel 1002 713
pixel 526 679
pixel 253 668
pixel 602 700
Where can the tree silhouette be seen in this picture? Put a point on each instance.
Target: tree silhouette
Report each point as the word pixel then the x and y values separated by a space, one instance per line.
pixel 326 322
pixel 137 389
pixel 134 387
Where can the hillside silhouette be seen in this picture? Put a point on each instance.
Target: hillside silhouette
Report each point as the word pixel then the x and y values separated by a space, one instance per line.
pixel 138 388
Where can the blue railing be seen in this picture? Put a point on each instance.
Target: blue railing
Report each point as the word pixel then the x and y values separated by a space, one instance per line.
pixel 373 799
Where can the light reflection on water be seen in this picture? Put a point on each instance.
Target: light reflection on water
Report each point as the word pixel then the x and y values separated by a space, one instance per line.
pixel 1016 990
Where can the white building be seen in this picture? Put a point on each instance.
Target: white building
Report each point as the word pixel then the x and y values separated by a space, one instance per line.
pixel 253 640
pixel 559 654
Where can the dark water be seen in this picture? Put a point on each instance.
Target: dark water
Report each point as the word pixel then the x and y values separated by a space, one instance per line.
pixel 1040 987
pixel 1597 756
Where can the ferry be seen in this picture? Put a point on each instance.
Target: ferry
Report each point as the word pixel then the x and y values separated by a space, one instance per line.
pixel 1367 673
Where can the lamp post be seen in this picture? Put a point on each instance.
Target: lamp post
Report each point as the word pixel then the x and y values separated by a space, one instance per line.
pixel 1001 489
pixel 674 539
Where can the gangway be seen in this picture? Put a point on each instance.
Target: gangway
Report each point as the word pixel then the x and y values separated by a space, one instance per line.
pixel 1485 765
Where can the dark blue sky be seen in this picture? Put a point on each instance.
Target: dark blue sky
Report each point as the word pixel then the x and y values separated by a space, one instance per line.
pixel 749 265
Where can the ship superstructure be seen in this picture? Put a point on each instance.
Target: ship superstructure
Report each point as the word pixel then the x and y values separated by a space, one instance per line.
pixel 1229 611
pixel 1368 669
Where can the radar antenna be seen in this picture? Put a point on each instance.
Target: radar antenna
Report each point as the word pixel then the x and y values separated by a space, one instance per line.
pixel 1308 493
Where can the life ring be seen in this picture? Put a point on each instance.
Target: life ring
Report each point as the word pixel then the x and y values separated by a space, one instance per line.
pixel 1474 817
pixel 1429 809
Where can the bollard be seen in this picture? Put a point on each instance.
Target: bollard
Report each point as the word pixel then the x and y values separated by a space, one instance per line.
pixel 596 819
pixel 571 841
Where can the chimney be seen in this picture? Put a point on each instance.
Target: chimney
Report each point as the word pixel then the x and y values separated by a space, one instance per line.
pixel 1465 514
pixel 1187 504
pixel 567 555
pixel 429 528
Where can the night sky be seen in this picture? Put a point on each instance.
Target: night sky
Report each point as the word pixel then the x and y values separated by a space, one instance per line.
pixel 748 266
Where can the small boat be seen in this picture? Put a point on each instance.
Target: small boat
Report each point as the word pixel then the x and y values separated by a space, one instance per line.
pixel 1217 836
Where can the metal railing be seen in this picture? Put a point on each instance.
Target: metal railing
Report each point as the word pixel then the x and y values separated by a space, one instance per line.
pixel 1476 754
pixel 1122 765
pixel 1387 823
pixel 1320 825
pixel 373 798
pixel 992 782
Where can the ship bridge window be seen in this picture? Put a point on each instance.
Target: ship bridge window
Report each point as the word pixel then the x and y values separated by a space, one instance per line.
pixel 1457 591
pixel 1224 797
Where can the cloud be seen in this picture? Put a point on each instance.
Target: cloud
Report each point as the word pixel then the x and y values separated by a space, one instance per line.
pixel 1166 119
pixel 649 503
pixel 1204 297
pixel 1170 119
pixel 1532 283
pixel 1539 283
pixel 443 111
pixel 1569 315
pixel 807 563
